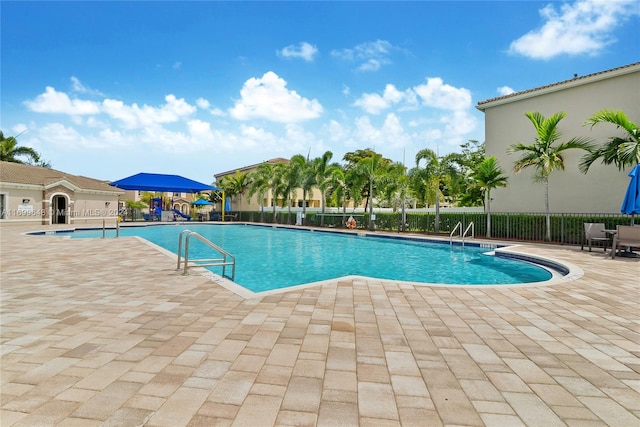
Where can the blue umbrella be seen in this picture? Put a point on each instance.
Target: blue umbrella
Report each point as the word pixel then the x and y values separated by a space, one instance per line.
pixel 227 205
pixel 631 202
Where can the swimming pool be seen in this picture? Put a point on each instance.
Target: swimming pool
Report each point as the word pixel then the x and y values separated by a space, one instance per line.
pixel 270 258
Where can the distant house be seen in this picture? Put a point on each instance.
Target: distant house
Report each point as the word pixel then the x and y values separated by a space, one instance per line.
pixel 36 195
pixel 570 191
pixel 247 203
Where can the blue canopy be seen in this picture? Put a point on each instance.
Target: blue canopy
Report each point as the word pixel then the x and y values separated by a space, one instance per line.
pixel 201 202
pixel 162 183
pixel 631 202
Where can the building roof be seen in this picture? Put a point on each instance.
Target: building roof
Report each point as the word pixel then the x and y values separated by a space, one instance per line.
pixel 482 105
pixel 17 173
pixel 246 168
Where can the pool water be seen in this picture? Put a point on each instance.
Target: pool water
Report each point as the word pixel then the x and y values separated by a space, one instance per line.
pixel 270 258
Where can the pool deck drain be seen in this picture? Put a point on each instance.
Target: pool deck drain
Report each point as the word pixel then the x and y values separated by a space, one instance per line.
pixel 106 332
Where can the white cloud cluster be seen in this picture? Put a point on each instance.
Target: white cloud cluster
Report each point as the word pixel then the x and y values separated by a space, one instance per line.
pixel 268 98
pixel 302 50
pixel 134 116
pixel 370 55
pixel 505 90
pixel 434 94
pixel 80 87
pixel 583 27
pixel 52 101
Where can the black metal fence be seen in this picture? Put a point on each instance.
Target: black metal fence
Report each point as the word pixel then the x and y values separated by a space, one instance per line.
pixel 565 228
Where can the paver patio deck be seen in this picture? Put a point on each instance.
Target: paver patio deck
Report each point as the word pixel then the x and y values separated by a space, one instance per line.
pixel 107 333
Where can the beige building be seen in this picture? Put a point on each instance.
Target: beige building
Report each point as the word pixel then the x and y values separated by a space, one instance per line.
pixel 246 203
pixel 36 195
pixel 602 189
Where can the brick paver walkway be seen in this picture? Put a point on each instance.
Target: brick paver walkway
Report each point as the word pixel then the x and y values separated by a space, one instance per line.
pixel 106 333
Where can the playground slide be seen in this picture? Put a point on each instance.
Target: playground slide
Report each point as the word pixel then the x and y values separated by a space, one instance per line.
pixel 177 212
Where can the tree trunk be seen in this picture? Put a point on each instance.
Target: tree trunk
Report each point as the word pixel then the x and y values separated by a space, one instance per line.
pixel 372 226
pixel 304 206
pixel 488 207
pixel 437 224
pixel 546 207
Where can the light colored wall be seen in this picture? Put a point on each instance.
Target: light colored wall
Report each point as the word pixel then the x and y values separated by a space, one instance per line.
pixel 91 208
pixel 86 207
pixel 603 188
pixel 13 199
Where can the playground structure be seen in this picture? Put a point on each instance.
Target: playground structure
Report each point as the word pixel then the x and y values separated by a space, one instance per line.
pixel 157 213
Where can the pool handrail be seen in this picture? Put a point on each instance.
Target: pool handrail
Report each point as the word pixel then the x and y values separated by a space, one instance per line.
pixel 227 258
pixel 458 225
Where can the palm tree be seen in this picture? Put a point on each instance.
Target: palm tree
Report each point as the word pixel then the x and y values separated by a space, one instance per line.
pixel 622 151
pixel 11 152
pixel 371 169
pixel 236 185
pixel 260 184
pixel 544 156
pixel 434 176
pixel 306 179
pixel 489 175
pixel 278 185
pixel 322 170
pixel 292 180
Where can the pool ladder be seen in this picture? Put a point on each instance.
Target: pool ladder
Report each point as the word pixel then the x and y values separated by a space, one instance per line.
pixel 462 235
pixel 224 261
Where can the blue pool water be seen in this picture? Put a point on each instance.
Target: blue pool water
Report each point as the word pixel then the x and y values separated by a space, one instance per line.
pixel 270 258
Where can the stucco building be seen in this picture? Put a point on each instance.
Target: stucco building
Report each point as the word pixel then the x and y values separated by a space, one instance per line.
pixel 246 203
pixel 37 195
pixel 602 189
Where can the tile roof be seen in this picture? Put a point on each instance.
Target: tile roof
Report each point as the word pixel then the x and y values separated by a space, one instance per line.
pixel 575 78
pixel 17 173
pixel 245 168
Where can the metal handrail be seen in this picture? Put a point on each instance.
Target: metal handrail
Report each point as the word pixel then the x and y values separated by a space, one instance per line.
pixel 459 224
pixel 227 258
pixel 473 233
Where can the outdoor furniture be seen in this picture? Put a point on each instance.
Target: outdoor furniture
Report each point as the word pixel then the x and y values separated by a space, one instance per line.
pixel 626 236
pixel 595 232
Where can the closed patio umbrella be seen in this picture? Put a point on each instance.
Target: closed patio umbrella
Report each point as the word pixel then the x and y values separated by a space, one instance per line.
pixel 631 202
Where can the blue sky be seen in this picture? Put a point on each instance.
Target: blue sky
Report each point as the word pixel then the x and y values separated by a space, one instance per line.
pixel 110 89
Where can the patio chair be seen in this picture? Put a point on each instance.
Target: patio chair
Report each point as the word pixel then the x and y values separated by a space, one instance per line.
pixel 594 232
pixel 626 236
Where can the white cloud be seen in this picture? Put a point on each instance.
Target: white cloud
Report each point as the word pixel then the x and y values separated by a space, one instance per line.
pixel 268 98
pixel 436 94
pixel 581 28
pixel 203 103
pixel 78 86
pixel 135 116
pixel 302 50
pixel 505 90
pixel 56 102
pixel 370 55
pixel 374 103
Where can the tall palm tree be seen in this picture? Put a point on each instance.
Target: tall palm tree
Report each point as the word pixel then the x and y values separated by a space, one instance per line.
pixel 371 169
pixel 235 185
pixel 622 151
pixel 11 152
pixel 544 156
pixel 489 175
pixel 260 184
pixel 306 180
pixel 293 179
pixel 278 185
pixel 322 170
pixel 435 172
